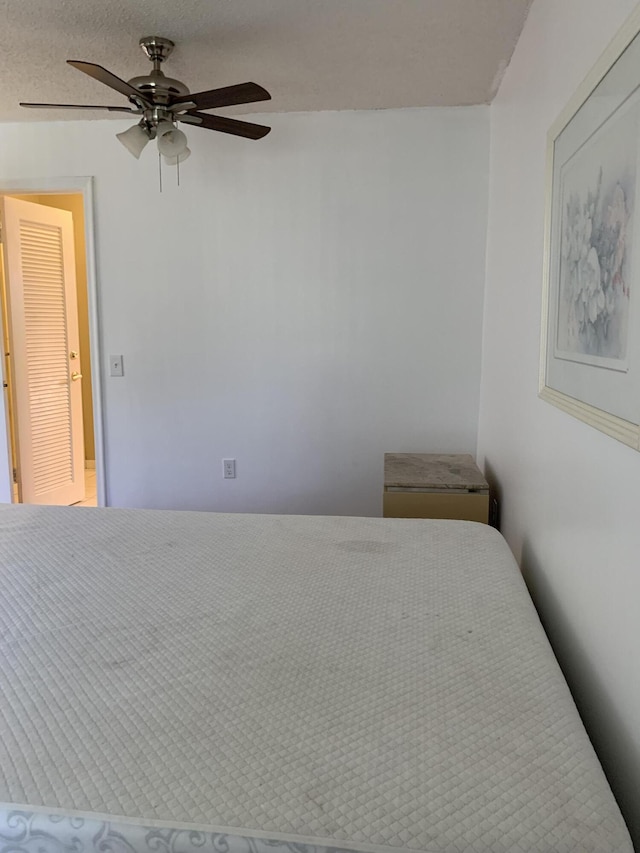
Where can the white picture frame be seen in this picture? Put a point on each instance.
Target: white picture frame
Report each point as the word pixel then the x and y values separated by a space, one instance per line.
pixel 590 342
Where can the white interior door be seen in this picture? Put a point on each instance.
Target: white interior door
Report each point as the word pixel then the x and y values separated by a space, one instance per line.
pixel 46 373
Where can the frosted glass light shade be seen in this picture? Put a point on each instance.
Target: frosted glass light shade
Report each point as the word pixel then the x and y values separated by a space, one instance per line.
pixel 134 139
pixel 177 158
pixel 171 141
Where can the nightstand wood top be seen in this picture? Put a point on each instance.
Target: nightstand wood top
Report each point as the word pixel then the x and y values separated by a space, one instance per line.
pixel 432 471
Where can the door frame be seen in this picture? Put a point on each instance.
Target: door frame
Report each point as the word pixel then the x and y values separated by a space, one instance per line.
pixel 83 186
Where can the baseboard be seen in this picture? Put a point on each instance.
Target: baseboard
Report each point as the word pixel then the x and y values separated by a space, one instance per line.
pixel 90 463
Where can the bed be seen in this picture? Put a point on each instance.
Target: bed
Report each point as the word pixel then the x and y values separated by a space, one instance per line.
pixel 181 682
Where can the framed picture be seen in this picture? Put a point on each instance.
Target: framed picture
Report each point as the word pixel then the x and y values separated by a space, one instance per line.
pixel 590 352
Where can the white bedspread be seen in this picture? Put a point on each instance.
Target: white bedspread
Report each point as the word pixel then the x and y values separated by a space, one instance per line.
pixel 176 681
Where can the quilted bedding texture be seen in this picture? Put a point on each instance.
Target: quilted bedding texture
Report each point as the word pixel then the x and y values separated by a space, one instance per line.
pixel 181 681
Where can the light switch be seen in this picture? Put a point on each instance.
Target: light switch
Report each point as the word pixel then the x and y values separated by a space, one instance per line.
pixel 116 367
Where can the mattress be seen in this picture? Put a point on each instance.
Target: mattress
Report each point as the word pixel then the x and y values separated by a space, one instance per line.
pixel 180 681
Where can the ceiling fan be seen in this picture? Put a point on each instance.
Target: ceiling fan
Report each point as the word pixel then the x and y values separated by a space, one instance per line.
pixel 163 101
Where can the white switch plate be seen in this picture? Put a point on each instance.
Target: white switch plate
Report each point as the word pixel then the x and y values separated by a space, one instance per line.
pixel 116 368
pixel 229 469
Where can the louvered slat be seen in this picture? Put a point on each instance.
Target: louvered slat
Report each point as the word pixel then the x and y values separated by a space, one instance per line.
pixel 47 354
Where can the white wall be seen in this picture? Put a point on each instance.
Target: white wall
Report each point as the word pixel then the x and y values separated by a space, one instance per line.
pixel 303 303
pixel 570 495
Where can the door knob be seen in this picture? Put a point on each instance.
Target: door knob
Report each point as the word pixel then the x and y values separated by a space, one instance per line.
pixel 76 376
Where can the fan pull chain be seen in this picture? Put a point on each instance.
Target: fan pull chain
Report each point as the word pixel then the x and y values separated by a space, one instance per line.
pixel 160 170
pixel 178 169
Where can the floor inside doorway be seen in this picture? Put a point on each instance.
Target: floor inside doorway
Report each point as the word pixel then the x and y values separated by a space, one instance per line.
pixel 90 489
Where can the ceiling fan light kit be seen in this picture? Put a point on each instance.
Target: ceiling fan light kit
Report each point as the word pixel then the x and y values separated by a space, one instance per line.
pixel 171 141
pixel 134 139
pixel 174 160
pixel 162 102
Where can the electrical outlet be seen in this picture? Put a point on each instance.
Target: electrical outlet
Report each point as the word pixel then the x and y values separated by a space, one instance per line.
pixel 116 368
pixel 229 469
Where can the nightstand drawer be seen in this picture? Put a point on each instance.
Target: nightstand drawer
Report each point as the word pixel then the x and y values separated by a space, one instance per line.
pixel 467 507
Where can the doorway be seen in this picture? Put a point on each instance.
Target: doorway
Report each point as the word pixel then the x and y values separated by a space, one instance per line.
pixel 54 435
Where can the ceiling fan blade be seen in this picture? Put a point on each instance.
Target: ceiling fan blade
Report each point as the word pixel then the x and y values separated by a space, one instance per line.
pixel 79 107
pixel 103 76
pixel 229 96
pixel 227 125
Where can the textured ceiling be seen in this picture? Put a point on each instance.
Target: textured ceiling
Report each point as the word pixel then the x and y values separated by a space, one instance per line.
pixel 310 54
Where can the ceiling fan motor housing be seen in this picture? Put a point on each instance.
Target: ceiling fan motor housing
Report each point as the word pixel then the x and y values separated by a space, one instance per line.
pixel 156 87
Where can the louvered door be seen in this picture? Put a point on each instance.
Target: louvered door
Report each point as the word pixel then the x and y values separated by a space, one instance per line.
pixel 44 351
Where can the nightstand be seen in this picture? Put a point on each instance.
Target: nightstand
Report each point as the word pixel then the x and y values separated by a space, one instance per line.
pixel 434 485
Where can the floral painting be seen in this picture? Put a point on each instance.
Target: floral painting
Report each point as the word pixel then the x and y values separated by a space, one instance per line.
pixel 598 189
